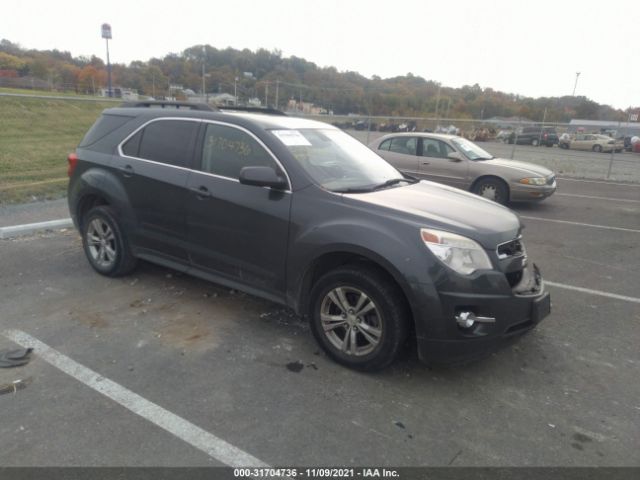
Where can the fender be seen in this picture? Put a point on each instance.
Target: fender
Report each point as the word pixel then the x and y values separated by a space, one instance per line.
pixel 104 184
pixel 392 251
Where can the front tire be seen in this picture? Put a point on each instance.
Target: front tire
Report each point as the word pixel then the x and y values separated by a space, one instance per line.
pixel 493 189
pixel 358 317
pixel 105 244
pixel 597 148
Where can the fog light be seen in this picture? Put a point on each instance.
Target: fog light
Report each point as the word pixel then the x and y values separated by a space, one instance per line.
pixel 468 319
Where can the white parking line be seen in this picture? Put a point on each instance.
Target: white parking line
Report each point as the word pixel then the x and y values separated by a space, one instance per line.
pixel 593 292
pixel 605 227
pixel 597 198
pixel 565 179
pixel 183 429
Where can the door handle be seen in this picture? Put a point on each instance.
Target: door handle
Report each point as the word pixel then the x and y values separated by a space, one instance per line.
pixel 127 170
pixel 201 191
pixel 426 163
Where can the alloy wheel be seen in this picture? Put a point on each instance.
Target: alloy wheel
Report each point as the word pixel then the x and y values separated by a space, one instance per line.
pixel 101 243
pixel 351 321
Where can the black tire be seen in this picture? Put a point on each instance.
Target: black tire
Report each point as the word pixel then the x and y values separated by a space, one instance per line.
pixel 492 188
pixel 597 148
pixel 564 146
pixel 386 321
pixel 105 244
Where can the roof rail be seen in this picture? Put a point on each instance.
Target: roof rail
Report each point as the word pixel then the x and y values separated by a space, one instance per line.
pixel 265 110
pixel 168 104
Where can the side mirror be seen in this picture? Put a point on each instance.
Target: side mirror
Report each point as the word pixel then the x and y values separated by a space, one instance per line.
pixel 454 157
pixel 262 177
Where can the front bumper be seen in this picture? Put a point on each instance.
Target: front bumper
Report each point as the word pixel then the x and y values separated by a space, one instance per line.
pixel 516 312
pixel 527 193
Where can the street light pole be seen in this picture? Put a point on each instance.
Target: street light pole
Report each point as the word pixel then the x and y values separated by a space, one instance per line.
pixel 106 34
pixel 576 84
pixel 235 90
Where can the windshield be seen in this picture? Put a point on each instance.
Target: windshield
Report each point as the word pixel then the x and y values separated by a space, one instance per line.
pixel 471 150
pixel 338 162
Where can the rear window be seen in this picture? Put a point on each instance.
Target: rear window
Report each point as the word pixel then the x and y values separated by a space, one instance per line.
pixel 103 127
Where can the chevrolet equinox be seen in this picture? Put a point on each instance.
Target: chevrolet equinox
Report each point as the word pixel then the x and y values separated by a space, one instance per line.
pixel 302 214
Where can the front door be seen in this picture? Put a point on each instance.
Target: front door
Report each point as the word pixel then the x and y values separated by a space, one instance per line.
pixel 435 165
pixel 236 232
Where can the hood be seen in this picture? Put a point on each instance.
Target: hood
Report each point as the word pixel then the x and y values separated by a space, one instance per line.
pixel 530 169
pixel 433 205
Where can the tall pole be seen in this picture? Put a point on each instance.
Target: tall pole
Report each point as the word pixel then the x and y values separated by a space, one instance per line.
pixel 235 90
pixel 203 86
pixel 576 84
pixel 266 94
pixel 109 71
pixel 277 88
pixel 106 34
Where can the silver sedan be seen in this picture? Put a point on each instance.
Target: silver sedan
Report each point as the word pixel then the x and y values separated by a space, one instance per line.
pixel 457 162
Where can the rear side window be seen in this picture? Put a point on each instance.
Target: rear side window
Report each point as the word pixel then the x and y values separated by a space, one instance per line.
pixel 168 141
pixel 385 145
pixel 103 127
pixel 226 150
pixel 405 145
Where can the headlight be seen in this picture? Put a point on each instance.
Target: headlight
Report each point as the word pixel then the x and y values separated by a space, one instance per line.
pixel 459 253
pixel 534 181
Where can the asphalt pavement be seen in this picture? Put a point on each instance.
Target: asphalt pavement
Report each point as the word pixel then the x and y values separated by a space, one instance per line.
pixel 187 367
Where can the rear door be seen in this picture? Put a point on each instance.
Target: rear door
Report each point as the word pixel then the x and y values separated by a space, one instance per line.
pixel 152 166
pixel 401 152
pixel 237 232
pixel 435 165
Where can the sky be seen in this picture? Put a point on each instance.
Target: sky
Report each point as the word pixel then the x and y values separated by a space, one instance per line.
pixel 530 48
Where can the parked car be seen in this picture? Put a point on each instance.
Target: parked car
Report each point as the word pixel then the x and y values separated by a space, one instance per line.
pixel 535 136
pixel 593 142
pixel 460 163
pixel 300 213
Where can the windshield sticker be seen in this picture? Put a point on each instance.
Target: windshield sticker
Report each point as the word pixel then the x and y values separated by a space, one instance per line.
pixel 291 138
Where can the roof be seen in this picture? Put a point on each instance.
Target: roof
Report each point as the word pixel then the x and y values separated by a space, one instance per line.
pixel 262 120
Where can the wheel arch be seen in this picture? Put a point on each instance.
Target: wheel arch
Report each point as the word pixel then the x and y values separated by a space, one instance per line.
pixel 327 261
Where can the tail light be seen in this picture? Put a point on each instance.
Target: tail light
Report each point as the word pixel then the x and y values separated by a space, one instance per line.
pixel 73 162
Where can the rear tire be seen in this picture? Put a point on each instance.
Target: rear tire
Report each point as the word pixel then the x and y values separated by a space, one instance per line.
pixel 359 317
pixel 105 244
pixel 597 148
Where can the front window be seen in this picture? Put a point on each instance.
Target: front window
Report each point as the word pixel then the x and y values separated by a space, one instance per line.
pixel 471 150
pixel 338 162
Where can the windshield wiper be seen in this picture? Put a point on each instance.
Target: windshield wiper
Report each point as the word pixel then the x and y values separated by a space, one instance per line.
pixel 393 181
pixel 379 186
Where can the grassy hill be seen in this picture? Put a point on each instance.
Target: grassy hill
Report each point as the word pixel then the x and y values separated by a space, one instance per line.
pixel 36 135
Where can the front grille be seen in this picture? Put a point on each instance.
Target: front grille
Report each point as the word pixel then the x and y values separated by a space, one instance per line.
pixel 510 249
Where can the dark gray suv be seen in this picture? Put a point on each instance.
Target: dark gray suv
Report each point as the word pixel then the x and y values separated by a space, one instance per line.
pixel 300 213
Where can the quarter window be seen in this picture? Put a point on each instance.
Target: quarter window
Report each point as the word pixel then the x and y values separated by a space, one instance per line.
pixel 168 141
pixel 385 145
pixel 227 150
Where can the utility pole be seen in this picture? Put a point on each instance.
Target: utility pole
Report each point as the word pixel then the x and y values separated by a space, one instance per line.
pixel 576 84
pixel 106 34
pixel 204 53
pixel 277 88
pixel 266 94
pixel 235 90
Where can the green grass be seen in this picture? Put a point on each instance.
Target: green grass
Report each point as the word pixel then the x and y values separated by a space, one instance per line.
pixel 36 135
